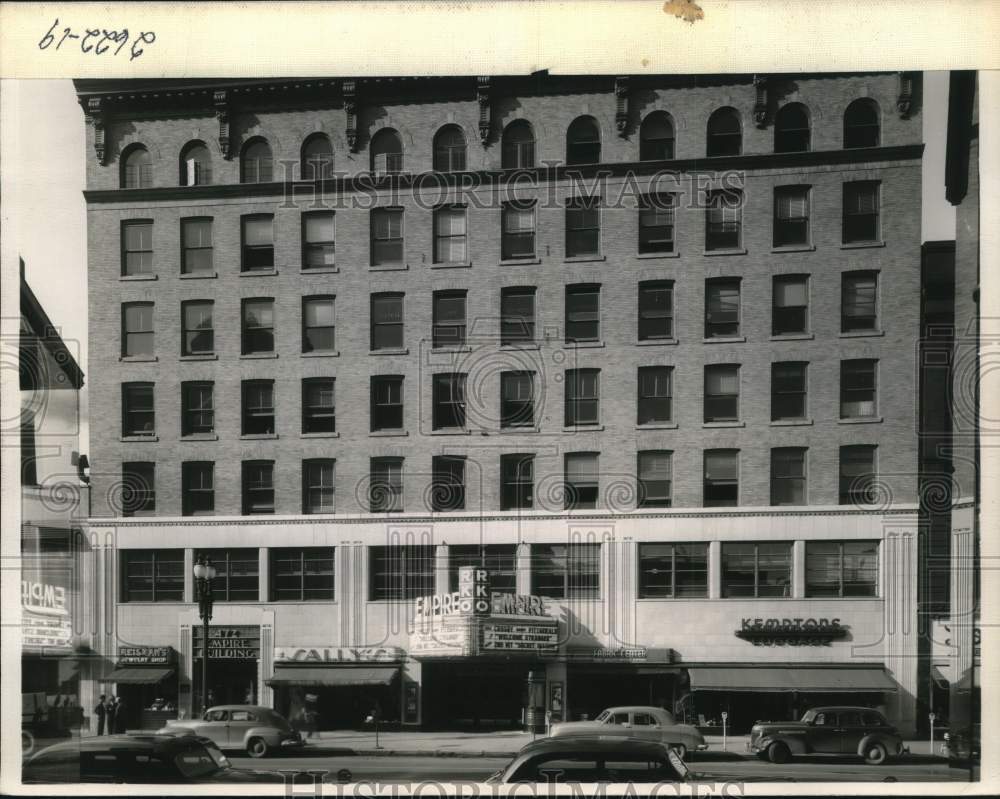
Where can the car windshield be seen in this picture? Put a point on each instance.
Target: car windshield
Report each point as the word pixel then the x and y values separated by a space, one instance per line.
pixel 808 716
pixel 199 761
pixel 604 716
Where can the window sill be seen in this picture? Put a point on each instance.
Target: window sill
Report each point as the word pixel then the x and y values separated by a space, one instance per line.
pixel 403 351
pixel 259 273
pixel 583 428
pixel 388 434
pixel 724 340
pixel 450 349
pixel 724 424
pixel 519 429
pixel 321 354
pixel 734 251
pixel 198 275
pixel 139 358
pixel 200 437
pixel 452 265
pixel 520 261
pixel 861 420
pixel 452 431
pixel 320 270
pixel 584 345
pixel 863 334
pixel 388 267
pixel 651 256
pixel 790 422
pixel 140 439
pixel 795 248
pixel 139 277
pixel 584 259
pixel 657 426
pixel 657 342
pixel 205 357
pixel 861 245
pixel 793 337
pixel 250 356
pixel 319 435
pixel 526 346
pixel 258 436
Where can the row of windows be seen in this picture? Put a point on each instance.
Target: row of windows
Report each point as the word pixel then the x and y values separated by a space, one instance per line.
pixel 518 400
pixel 518 316
pixel 657 230
pixel 446 491
pixel 558 571
pixel 724 137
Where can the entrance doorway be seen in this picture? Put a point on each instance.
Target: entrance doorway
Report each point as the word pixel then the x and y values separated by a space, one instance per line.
pixel 593 690
pixel 475 695
pixel 230 682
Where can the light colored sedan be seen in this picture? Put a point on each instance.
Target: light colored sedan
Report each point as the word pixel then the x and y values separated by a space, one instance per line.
pixel 257 730
pixel 638 721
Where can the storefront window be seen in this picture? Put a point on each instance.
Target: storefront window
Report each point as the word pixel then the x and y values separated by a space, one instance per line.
pixel 566 571
pixel 757 570
pixel 841 568
pixel 237 573
pixel 401 572
pixel 302 574
pixel 668 571
pixel 500 560
pixel 152 575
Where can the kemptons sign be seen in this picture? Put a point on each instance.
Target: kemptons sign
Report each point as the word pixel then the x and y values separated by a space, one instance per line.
pixel 339 654
pixel 790 631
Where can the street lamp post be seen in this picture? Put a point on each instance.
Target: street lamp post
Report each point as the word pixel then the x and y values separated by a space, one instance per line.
pixel 204 573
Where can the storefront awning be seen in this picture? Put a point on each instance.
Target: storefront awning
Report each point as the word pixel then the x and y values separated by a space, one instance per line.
pixel 782 679
pixel 139 676
pixel 331 676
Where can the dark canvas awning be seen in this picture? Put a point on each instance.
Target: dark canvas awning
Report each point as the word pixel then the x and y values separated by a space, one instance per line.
pixel 138 676
pixel 331 676
pixel 826 680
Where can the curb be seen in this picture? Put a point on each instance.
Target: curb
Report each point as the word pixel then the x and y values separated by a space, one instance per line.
pixel 419 753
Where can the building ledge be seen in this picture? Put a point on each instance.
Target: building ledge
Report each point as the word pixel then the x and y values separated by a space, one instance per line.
pixel 657 342
pixel 793 337
pixel 205 357
pixel 862 245
pixel 198 275
pixel 795 248
pixel 320 270
pixel 138 277
pixel 861 420
pixel 790 422
pixel 653 256
pixel 321 354
pixel 452 265
pixel 259 273
pixel 724 340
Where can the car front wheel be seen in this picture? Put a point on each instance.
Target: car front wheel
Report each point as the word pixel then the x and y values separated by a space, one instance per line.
pixel 779 752
pixel 875 754
pixel 257 747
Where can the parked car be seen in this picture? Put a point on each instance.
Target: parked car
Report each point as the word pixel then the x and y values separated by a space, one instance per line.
pixel 259 731
pixel 858 731
pixel 592 758
pixel 641 722
pixel 138 758
pixel 963 746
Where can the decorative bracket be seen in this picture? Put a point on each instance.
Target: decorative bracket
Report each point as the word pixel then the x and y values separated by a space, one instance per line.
pixel 220 100
pixel 904 102
pixel 349 88
pixel 95 112
pixel 760 101
pixel 485 108
pixel 621 103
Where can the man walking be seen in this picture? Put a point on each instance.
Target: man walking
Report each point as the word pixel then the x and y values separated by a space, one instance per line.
pixel 101 711
pixel 111 710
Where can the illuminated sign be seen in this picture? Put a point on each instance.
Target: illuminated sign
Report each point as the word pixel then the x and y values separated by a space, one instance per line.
pixel 796 632
pixel 339 654
pixel 534 636
pixel 45 618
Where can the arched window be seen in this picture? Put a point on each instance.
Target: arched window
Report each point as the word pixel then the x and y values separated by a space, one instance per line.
pixel 317 158
pixel 861 124
pixel 725 134
pixel 449 149
pixel 137 168
pixel 256 163
pixel 387 152
pixel 791 129
pixel 196 165
pixel 583 141
pixel 518 145
pixel 656 137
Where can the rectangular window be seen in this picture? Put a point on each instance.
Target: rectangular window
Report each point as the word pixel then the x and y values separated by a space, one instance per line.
pixel 756 570
pixel 861 211
pixel 198 333
pixel 385 492
pixel 302 574
pixel 583 313
pixel 517 239
pixel 841 568
pixel 788 476
pixel 654 471
pixel 387 321
pixel 566 571
pixel 318 324
pixel 237 574
pixel 858 470
pixel 138 412
pixel 788 390
pixel 722 487
pixel 318 241
pixel 518 481
pixel 791 216
pixel 137 248
pixel 258 326
pixel 448 401
pixel 450 239
pixel 386 402
pixel 857 388
pixel 138 493
pixel 400 572
pixel 724 218
pixel 582 396
pixel 258 407
pixel 317 485
pixel 722 308
pixel 656 310
pixel 790 305
pixel 583 227
pixel 258 243
pixel 517 315
pixel 500 560
pixel 859 302
pixel 448 492
pixel 673 571
pixel 258 487
pixel 196 247
pixel 722 393
pixel 656 223
pixel 387 236
pixel 319 414
pixel 655 391
pixel 582 480
pixel 517 399
pixel 152 575
pixel 448 325
pixel 198 488
pixel 137 330
pixel 197 408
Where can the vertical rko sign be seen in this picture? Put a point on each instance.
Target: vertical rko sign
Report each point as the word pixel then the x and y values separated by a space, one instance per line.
pixel 474 588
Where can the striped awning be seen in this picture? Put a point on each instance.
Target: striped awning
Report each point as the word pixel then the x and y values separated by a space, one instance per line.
pixel 137 676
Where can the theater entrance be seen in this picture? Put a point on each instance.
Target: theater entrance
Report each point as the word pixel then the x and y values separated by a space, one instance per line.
pixel 475 695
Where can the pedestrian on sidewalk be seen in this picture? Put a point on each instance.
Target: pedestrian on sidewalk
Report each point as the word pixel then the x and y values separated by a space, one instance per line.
pixel 101 711
pixel 111 711
pixel 120 720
